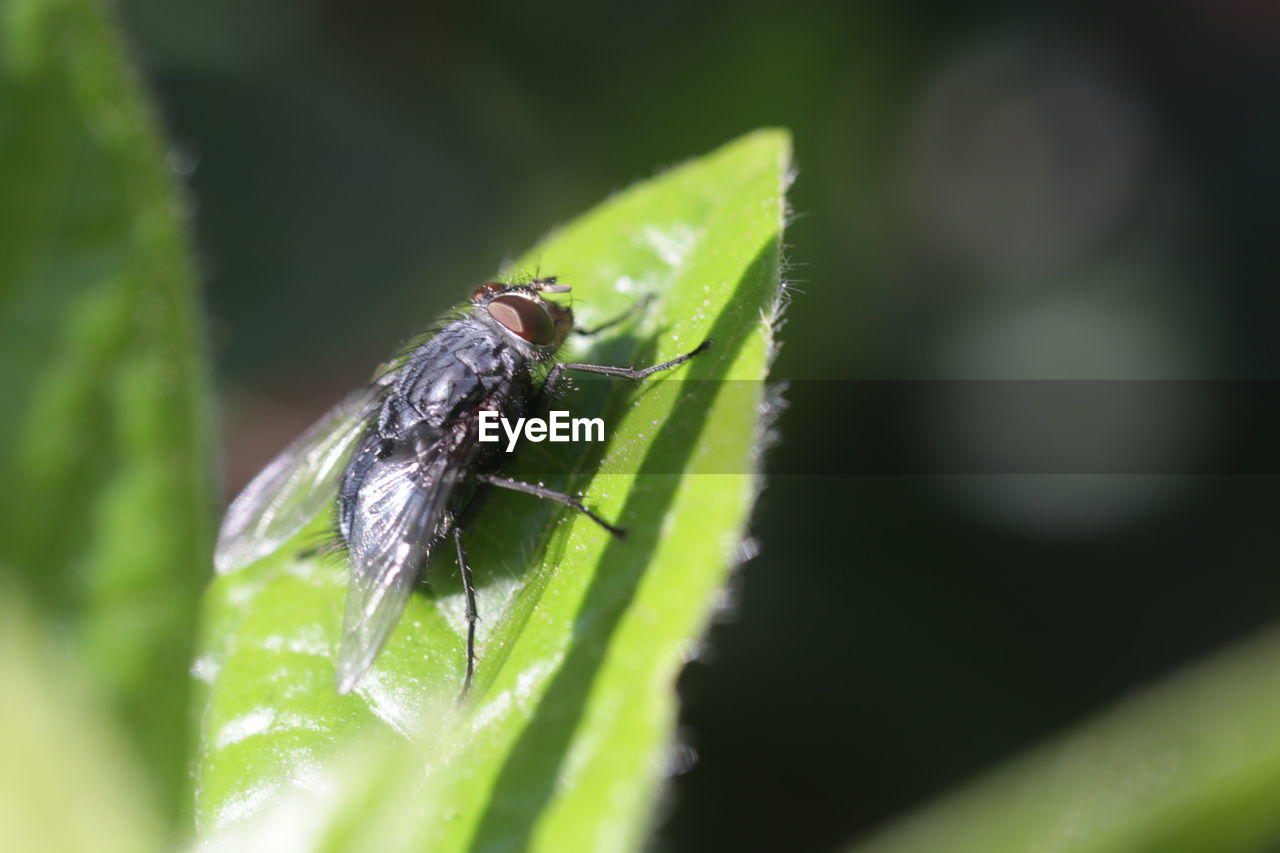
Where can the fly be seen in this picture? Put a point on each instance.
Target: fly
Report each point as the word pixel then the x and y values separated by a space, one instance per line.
pixel 403 460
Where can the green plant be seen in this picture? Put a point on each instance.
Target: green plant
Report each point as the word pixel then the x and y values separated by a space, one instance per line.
pixel 563 739
pixel 106 514
pixel 105 509
pixel 1187 765
pixel 107 525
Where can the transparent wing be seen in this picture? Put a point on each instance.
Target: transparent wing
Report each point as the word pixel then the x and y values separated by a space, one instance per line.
pixel 398 515
pixel 295 486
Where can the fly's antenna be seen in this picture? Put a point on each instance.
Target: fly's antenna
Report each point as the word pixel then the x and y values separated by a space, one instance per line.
pixel 548 285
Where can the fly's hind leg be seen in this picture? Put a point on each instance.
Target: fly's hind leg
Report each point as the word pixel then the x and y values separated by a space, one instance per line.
pixel 464 567
pixel 473 615
pixel 464 519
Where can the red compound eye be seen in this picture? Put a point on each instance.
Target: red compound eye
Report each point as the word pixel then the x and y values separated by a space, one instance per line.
pixel 485 292
pixel 525 318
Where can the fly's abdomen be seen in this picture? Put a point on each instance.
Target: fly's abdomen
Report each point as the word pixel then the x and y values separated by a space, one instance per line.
pixel 364 457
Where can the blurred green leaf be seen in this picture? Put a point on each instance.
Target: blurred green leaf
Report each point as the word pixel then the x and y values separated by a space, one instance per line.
pixel 1187 766
pixel 568 732
pixel 105 507
pixel 68 779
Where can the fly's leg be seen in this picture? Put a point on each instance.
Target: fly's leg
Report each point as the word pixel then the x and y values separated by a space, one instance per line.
pixel 473 615
pixel 464 567
pixel 636 308
pixel 468 514
pixel 633 373
pixel 605 370
pixel 326 548
pixel 541 491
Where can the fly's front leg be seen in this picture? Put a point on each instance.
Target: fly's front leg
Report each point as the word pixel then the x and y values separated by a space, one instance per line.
pixel 636 307
pixel 633 373
pixel 541 491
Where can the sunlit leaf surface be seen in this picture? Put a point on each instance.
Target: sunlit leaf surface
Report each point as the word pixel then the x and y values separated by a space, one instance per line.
pixel 568 734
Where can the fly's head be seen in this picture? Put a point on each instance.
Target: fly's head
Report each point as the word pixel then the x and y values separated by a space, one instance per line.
pixel 521 311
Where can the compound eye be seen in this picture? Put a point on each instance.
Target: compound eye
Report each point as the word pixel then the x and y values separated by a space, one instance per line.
pixel 485 292
pixel 524 318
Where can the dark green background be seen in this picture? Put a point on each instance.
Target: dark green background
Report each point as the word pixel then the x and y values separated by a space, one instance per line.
pixel 986 190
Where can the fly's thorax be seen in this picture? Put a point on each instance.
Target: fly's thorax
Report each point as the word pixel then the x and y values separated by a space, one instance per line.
pixel 456 369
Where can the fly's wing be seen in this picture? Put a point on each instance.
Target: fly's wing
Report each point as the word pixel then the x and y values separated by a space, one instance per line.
pixel 397 518
pixel 296 485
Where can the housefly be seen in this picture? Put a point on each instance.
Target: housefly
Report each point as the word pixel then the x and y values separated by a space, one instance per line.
pixel 403 461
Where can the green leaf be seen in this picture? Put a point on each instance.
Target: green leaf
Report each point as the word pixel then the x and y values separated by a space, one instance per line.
pixel 105 508
pixel 565 738
pixel 1189 765
pixel 69 781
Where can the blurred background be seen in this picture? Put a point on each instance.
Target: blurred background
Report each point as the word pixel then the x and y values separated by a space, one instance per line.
pixel 986 190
